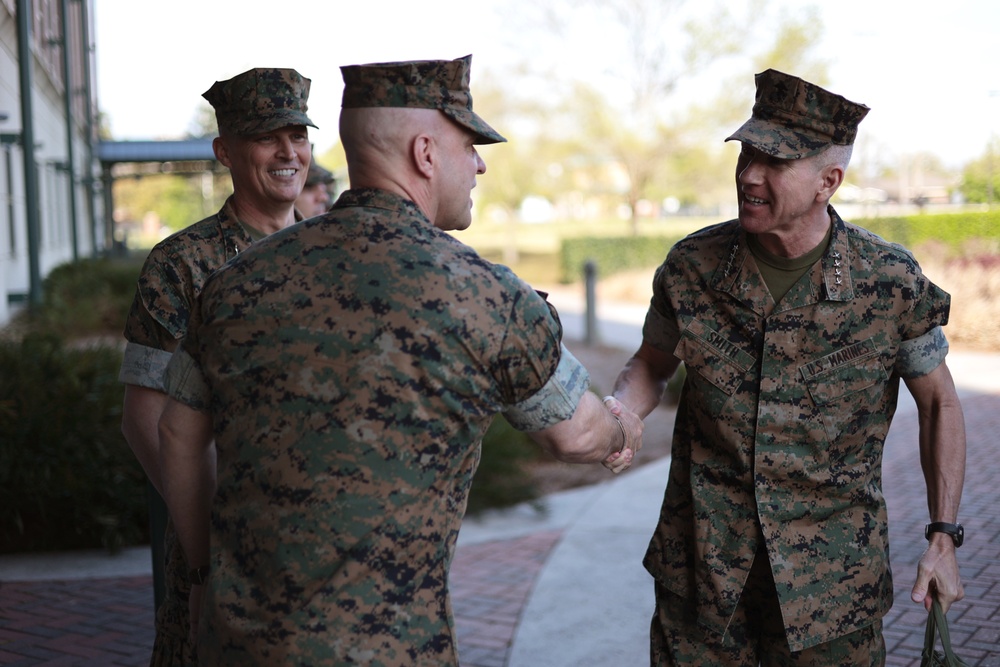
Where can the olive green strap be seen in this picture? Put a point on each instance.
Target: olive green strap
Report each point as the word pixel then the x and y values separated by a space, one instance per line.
pixel 937 625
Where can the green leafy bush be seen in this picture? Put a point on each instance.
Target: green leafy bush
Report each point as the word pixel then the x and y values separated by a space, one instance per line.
pixel 501 480
pixel 86 298
pixel 67 478
pixel 974 233
pixel 612 254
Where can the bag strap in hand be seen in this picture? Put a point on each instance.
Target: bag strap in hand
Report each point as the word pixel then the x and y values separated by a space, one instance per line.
pixel 937 624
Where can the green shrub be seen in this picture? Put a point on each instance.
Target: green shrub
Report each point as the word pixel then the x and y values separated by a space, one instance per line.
pixel 975 232
pixel 67 478
pixel 85 298
pixel 501 479
pixel 612 255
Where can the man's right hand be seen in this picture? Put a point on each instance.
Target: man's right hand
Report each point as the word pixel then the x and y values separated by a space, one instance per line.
pixel 631 428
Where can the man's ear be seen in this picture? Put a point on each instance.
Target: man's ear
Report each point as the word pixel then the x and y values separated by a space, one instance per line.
pixel 424 152
pixel 221 151
pixel 831 178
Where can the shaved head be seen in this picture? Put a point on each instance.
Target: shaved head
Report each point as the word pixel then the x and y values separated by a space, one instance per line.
pixel 379 138
pixel 836 155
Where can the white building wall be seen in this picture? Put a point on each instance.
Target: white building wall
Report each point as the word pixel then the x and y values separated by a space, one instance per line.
pixel 55 220
pixel 13 241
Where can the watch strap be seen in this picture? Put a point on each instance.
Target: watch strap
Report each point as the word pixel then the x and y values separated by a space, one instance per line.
pixel 956 531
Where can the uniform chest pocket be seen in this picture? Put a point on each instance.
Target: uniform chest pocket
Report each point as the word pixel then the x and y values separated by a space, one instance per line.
pixel 713 360
pixel 843 372
pixel 844 387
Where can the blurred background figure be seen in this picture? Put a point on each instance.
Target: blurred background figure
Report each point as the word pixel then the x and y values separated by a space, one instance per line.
pixel 317 194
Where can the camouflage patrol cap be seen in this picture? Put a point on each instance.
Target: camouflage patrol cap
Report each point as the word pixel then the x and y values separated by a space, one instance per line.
pixel 318 175
pixel 418 84
pixel 260 100
pixel 793 118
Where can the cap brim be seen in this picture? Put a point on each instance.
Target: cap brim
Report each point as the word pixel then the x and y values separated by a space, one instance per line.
pixel 277 121
pixel 778 140
pixel 472 122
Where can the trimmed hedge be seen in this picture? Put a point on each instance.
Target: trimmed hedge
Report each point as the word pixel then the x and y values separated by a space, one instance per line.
pixel 612 254
pixel 501 479
pixel 67 478
pixel 958 231
pixel 86 298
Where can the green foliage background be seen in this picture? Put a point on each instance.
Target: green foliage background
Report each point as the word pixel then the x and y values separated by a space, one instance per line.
pixel 85 298
pixel 974 232
pixel 612 255
pixel 67 478
pixel 963 233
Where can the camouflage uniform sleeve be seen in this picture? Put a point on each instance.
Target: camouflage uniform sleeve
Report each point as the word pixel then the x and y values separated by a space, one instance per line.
pixel 161 307
pixel 156 321
pixel 184 379
pixel 536 394
pixel 185 382
pixel 556 401
pixel 660 328
pixel 924 345
pixel 144 366
pixel 919 356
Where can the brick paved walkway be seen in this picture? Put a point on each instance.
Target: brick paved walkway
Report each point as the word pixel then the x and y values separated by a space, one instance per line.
pixel 108 622
pixel 975 621
pixel 490 584
pixel 80 623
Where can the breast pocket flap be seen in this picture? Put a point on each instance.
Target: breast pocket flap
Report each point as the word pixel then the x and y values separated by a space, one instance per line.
pixel 713 357
pixel 844 372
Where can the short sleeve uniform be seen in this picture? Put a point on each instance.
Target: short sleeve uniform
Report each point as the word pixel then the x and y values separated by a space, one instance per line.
pixel 352 365
pixel 778 441
pixel 171 279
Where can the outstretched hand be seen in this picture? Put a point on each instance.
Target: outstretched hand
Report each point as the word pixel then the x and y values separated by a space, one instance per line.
pixel 631 431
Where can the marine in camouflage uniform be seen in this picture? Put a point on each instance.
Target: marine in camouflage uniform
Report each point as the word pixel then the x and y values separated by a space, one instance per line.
pixel 773 537
pixel 348 368
pixel 172 276
pixel 257 101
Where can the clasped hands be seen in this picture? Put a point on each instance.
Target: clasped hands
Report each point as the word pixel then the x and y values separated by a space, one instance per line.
pixel 631 431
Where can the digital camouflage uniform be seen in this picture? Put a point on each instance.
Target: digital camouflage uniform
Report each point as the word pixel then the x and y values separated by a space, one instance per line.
pixel 258 100
pixel 174 273
pixel 781 424
pixel 352 364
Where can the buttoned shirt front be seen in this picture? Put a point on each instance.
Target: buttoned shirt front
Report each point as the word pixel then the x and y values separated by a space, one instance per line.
pixel 782 420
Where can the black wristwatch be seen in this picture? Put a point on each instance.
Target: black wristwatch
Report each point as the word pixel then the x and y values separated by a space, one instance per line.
pixel 956 531
pixel 198 575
